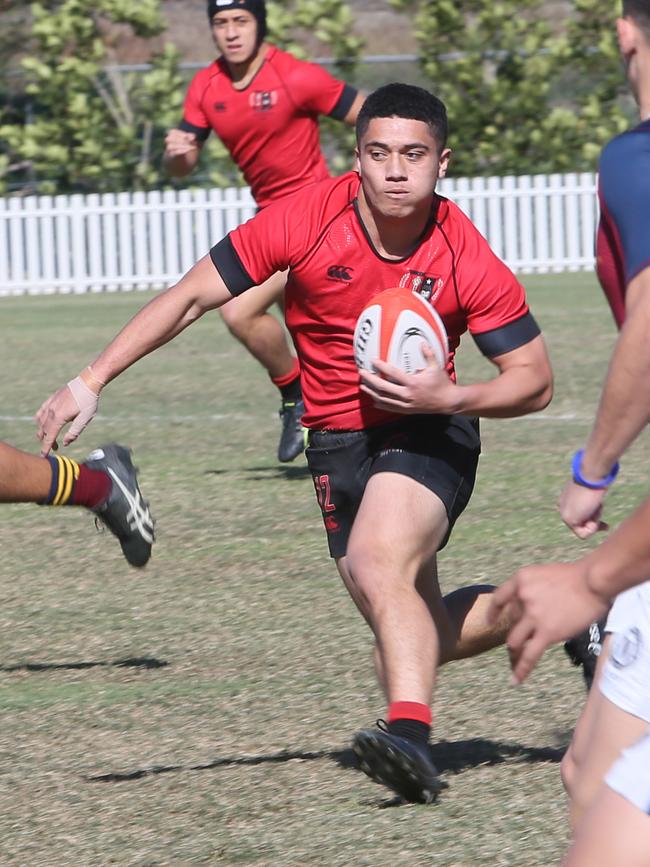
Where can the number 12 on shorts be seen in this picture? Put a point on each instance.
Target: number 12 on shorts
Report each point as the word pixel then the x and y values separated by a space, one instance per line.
pixel 322 485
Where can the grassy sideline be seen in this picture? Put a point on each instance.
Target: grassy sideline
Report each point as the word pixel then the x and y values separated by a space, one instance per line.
pixel 200 712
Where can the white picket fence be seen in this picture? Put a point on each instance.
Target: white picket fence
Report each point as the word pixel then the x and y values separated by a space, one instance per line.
pixel 126 241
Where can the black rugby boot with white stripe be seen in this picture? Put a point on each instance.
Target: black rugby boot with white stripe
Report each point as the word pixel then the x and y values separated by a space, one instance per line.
pixel 124 511
pixel 402 765
pixel 584 649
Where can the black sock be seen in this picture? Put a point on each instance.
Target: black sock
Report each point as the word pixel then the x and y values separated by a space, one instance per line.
pixel 291 392
pixel 410 730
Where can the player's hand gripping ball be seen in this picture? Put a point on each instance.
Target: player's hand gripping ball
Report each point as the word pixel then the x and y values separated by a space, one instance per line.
pixel 393 328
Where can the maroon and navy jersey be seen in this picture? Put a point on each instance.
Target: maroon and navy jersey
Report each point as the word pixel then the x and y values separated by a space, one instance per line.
pixel 623 239
pixel 270 127
pixel 335 271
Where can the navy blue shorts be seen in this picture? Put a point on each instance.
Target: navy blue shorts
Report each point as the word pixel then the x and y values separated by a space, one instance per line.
pixel 440 452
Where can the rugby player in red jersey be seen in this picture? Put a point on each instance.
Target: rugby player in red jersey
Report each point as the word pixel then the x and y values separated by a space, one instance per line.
pixel 264 105
pixel 393 455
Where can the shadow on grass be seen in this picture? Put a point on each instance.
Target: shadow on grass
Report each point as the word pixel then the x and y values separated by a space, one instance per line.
pixel 344 758
pixel 457 756
pixel 134 662
pixel 452 756
pixel 261 474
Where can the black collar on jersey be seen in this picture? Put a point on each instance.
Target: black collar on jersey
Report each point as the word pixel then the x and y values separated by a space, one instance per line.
pixel 430 222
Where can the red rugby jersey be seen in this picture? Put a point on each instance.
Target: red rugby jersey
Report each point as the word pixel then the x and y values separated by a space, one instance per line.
pixel 271 127
pixel 335 271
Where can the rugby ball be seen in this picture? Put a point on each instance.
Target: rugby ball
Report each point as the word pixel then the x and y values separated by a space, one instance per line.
pixel 393 328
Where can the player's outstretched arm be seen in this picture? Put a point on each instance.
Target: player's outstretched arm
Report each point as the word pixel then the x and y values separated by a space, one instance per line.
pixel 553 602
pixel 524 384
pixel 158 322
pixel 624 411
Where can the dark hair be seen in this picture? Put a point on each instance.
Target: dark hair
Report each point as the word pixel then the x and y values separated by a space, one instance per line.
pixel 639 10
pixel 408 101
pixel 257 8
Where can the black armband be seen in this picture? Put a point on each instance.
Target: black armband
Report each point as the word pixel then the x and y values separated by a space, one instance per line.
pixel 508 337
pixel 344 104
pixel 227 262
pixel 200 132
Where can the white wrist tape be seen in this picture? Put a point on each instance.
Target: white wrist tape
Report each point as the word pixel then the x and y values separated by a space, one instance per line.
pixel 87 401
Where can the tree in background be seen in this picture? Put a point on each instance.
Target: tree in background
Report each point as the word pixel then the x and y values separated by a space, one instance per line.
pixel 91 128
pixel 94 128
pixel 523 96
pixel 13 35
pixel 600 101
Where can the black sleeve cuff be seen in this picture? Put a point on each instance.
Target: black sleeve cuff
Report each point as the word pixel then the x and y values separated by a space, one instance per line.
pixel 509 337
pixel 201 132
pixel 228 264
pixel 344 103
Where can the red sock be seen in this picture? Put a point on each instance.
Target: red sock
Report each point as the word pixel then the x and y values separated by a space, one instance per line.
pixel 74 484
pixel 409 710
pixel 294 373
pixel 91 488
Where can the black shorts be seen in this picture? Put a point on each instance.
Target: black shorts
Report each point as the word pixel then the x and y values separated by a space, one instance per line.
pixel 440 452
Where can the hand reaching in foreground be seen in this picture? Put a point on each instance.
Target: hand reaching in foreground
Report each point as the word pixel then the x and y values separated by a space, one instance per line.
pixel 76 402
pixel 548 604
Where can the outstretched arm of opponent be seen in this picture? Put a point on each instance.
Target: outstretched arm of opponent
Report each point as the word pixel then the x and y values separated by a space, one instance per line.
pixel 623 412
pixel 553 602
pixel 201 289
pixel 524 384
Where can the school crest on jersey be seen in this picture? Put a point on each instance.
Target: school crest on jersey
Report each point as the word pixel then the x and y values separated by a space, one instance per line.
pixel 263 100
pixel 426 285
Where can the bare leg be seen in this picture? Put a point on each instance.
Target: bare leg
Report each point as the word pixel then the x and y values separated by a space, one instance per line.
pixel 460 617
pixel 602 732
pixel 612 833
pixel 469 632
pixel 576 754
pixel 390 572
pixel 24 478
pixel 391 549
pixel 248 320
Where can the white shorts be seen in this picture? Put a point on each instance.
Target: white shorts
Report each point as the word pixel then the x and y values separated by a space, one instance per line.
pixel 630 774
pixel 625 680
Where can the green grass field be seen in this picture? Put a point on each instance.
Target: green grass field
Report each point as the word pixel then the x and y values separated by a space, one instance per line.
pixel 200 711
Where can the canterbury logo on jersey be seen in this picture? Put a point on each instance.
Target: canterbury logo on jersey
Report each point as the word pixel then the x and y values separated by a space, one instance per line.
pixel 220 106
pixel 340 273
pixel 138 516
pixel 426 285
pixel 263 100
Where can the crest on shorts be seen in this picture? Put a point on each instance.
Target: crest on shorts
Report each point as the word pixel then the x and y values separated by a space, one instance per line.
pixel 428 286
pixel 625 647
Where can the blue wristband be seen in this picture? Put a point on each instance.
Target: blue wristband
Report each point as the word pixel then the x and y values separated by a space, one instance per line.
pixel 579 479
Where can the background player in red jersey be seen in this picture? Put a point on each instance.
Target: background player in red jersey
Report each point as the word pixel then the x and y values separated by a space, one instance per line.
pixel 610 742
pixel 264 104
pixel 393 456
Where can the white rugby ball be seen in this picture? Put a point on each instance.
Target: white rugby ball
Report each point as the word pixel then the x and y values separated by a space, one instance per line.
pixel 393 328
